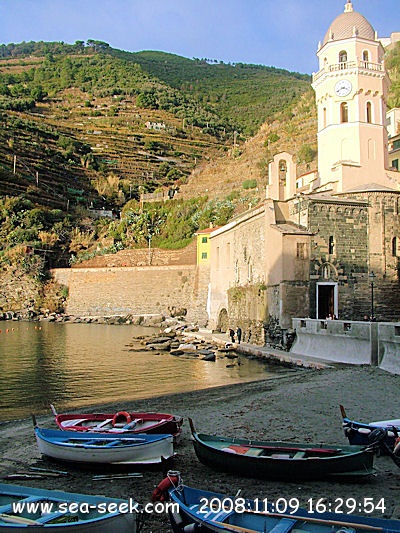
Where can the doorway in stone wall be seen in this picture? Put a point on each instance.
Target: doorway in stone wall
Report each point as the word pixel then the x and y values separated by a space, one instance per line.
pixel 223 321
pixel 327 300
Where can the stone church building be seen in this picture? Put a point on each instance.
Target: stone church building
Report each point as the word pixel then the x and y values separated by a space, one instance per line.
pixel 327 242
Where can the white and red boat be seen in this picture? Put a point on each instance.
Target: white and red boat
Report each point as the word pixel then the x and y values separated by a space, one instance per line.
pixel 120 422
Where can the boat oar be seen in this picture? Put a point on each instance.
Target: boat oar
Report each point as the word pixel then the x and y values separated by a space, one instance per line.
pixel 22 475
pixel 231 527
pixel 117 476
pixel 320 451
pixel 59 472
pixel 31 475
pixel 12 519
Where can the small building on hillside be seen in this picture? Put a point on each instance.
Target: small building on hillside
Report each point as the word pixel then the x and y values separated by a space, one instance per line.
pixel 203 246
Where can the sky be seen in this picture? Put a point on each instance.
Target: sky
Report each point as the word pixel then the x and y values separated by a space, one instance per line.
pixel 278 33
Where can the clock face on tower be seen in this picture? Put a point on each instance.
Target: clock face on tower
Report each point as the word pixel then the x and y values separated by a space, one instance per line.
pixel 343 88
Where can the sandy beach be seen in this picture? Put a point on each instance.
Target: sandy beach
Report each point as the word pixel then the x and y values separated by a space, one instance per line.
pixel 298 405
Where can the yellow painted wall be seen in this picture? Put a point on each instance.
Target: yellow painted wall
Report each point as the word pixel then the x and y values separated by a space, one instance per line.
pixel 203 249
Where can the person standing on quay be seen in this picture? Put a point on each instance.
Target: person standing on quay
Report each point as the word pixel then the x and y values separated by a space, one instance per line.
pixel 239 334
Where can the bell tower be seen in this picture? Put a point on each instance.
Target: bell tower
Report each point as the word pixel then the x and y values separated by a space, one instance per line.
pixel 351 90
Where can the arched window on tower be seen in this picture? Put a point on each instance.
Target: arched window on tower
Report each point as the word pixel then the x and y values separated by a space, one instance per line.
pixel 365 58
pixel 344 112
pixel 324 117
pixel 343 59
pixel 368 112
pixel 282 178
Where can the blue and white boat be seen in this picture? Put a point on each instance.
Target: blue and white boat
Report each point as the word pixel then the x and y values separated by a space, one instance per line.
pixel 36 510
pixel 210 512
pixel 358 433
pixel 104 448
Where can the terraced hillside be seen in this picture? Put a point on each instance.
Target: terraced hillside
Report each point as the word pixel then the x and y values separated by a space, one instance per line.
pixel 32 164
pixel 243 170
pixel 103 125
pixel 78 151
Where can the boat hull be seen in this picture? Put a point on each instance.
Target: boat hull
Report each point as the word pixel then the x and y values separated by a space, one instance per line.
pixel 358 433
pixel 356 463
pixel 209 512
pixel 104 448
pixel 282 460
pixel 89 517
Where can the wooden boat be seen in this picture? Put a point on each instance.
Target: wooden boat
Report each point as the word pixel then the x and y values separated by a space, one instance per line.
pixel 282 460
pixel 121 422
pixel 201 510
pixel 56 510
pixel 104 448
pixel 358 432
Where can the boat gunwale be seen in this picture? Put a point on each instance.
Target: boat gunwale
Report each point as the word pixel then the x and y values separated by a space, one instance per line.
pixel 178 495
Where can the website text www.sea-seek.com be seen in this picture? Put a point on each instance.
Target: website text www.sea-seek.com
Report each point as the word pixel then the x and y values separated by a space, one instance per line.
pixel 128 506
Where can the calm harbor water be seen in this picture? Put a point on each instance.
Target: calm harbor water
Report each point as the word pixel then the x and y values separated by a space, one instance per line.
pixel 77 365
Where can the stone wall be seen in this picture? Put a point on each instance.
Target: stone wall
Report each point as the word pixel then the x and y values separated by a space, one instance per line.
pixel 339 252
pixel 295 302
pixel 142 257
pixel 18 291
pixel 384 254
pixel 247 308
pixel 136 290
pixel 237 267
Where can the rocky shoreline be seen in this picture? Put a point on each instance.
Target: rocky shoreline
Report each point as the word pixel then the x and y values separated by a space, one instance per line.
pixel 154 321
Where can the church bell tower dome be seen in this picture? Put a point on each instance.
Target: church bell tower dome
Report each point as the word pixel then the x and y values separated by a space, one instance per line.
pixel 351 89
pixel 349 24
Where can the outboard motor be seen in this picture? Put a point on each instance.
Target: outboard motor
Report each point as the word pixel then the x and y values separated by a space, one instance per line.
pixel 377 437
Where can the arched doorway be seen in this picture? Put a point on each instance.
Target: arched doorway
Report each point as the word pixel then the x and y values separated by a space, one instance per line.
pixel 223 320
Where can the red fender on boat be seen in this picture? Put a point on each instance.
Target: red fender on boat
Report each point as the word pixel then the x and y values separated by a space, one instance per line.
pixel 160 493
pixel 121 414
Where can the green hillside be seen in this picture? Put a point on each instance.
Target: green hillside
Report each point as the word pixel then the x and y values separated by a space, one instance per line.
pixel 100 99
pixel 214 95
pixel 243 95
